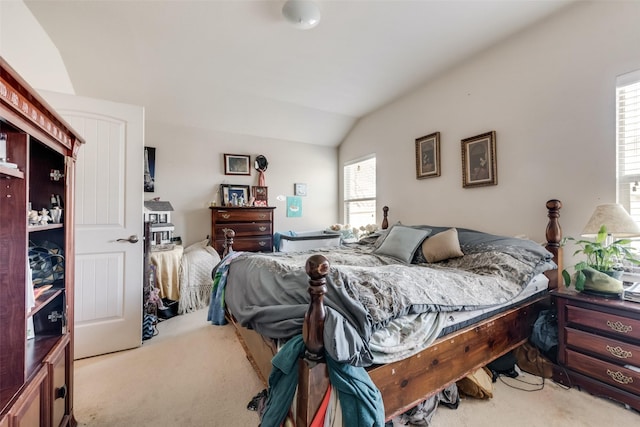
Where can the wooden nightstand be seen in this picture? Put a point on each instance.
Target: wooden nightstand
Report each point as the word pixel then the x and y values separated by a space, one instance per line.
pixel 599 345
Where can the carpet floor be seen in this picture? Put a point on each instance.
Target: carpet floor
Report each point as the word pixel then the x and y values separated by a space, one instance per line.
pixel 196 374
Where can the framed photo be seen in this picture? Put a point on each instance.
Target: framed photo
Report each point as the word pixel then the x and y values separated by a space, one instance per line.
pixel 241 193
pixel 149 169
pixel 236 164
pixel 259 194
pixel 479 165
pixel 300 189
pixel 428 156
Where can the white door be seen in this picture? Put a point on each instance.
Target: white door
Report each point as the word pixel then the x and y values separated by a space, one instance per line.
pixel 109 203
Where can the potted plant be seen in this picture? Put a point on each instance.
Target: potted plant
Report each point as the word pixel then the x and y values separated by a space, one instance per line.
pixel 604 261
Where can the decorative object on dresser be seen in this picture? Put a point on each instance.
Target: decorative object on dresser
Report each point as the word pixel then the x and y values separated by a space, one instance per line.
pixel 603 267
pixel 236 164
pixel 253 228
pixel 599 345
pixel 261 164
pixel 260 196
pixel 158 214
pixel 234 195
pixel 37 317
pixel 479 165
pixel 428 156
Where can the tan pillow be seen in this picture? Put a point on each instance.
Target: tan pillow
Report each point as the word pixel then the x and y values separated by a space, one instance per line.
pixel 442 246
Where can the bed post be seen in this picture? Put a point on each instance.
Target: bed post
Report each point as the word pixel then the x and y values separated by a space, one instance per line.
pixel 229 234
pixel 554 241
pixel 385 214
pixel 312 372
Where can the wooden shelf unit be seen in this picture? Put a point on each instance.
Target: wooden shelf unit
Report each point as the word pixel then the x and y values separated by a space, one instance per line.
pixel 36 374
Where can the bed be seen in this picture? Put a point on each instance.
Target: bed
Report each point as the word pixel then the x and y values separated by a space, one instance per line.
pixel 353 314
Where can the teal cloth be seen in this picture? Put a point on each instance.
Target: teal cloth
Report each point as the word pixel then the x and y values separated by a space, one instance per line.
pixel 360 400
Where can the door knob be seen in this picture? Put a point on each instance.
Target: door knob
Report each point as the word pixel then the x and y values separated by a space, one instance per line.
pixel 132 239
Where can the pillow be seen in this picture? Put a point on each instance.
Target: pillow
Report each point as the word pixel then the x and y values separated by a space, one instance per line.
pixel 442 246
pixel 197 246
pixel 401 242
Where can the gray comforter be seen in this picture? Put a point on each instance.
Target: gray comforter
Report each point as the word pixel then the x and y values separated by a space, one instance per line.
pixel 365 291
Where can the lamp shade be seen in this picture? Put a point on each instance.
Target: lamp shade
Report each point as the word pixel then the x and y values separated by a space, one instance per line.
pixel 302 14
pixel 613 216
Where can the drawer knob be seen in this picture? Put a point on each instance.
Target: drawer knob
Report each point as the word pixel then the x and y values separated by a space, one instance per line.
pixel 225 216
pixel 619 327
pixel 619 377
pixel 61 392
pixel 263 228
pixel 263 216
pixel 619 352
pixel 261 243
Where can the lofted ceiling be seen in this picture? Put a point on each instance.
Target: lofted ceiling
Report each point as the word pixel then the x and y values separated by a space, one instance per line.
pixel 237 66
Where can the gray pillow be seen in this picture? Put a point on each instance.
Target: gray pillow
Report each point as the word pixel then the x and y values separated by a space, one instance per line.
pixel 401 242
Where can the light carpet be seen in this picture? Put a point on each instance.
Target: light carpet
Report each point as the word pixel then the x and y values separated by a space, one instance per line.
pixel 196 374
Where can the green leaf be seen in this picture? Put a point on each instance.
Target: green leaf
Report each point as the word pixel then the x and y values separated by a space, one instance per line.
pixel 580 279
pixel 567 278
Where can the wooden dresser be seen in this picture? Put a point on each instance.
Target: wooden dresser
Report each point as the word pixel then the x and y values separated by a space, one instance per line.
pixel 253 228
pixel 599 345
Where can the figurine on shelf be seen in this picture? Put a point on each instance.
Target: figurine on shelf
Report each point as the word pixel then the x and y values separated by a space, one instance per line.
pixel 44 217
pixel 33 217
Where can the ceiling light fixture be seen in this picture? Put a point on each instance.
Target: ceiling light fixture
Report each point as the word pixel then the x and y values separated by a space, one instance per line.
pixel 302 14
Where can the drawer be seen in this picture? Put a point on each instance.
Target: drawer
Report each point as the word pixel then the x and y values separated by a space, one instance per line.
pixel 607 372
pixel 618 351
pixel 244 229
pixel 251 244
pixel 611 324
pixel 242 215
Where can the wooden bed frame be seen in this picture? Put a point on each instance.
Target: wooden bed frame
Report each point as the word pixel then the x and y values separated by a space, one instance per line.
pixel 406 383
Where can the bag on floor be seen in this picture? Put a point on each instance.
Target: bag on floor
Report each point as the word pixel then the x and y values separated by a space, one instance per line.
pixel 531 360
pixel 478 384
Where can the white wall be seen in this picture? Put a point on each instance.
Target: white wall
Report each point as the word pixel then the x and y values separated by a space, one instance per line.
pixel 29 50
pixel 549 95
pixel 190 169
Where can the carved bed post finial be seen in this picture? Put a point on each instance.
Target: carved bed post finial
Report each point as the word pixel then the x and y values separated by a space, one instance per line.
pixel 554 239
pixel 317 267
pixel 229 234
pixel 385 214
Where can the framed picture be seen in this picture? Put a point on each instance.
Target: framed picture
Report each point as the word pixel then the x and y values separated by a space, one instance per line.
pixel 236 164
pixel 259 194
pixel 234 195
pixel 149 169
pixel 479 165
pixel 300 189
pixel 428 156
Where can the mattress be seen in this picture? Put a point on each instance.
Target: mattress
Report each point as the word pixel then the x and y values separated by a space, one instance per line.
pixel 410 334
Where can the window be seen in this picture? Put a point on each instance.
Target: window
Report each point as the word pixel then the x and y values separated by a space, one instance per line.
pixel 360 192
pixel 628 141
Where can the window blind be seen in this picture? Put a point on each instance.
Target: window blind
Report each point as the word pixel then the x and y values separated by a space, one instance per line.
pixel 360 192
pixel 628 141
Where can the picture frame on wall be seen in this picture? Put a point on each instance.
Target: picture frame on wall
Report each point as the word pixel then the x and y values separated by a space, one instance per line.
pixel 300 189
pixel 241 192
pixel 237 164
pixel 479 162
pixel 428 156
pixel 260 195
pixel 149 169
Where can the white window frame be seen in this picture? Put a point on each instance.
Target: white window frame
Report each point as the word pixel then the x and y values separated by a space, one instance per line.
pixel 369 198
pixel 628 142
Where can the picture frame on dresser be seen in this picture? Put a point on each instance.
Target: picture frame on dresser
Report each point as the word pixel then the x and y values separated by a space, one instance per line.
pixel 228 190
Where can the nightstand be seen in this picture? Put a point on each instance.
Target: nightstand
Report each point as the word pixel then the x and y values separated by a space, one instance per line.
pixel 599 345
